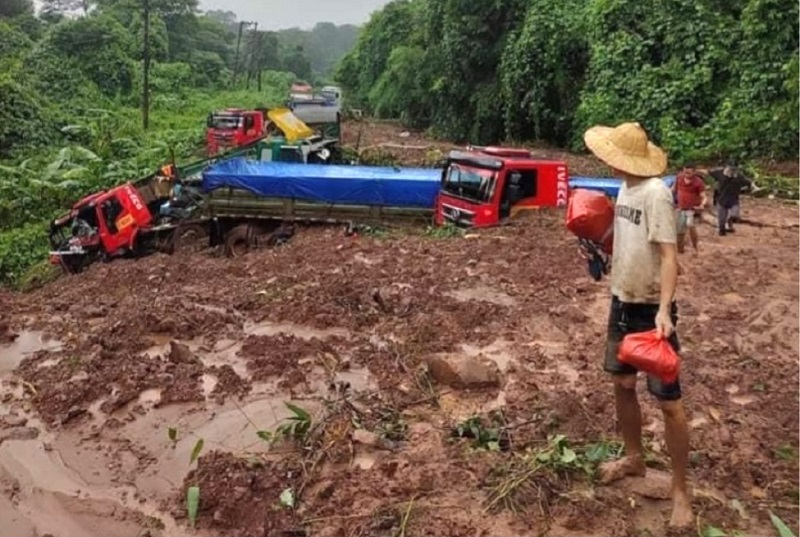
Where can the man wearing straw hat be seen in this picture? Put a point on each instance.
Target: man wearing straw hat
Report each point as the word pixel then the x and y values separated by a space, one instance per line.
pixel 644 275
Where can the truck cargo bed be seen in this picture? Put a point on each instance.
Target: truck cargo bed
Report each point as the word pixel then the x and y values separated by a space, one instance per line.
pixel 328 184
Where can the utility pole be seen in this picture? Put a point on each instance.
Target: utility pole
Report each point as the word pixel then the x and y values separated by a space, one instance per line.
pixel 260 60
pixel 146 58
pixel 253 53
pixel 236 60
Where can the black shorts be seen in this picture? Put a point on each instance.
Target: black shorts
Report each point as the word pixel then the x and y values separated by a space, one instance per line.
pixel 631 318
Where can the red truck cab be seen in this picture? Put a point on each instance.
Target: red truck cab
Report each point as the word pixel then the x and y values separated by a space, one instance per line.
pixel 234 127
pixel 104 224
pixel 483 186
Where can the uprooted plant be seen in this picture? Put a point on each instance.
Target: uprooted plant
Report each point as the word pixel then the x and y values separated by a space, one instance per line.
pixel 532 477
pixel 490 434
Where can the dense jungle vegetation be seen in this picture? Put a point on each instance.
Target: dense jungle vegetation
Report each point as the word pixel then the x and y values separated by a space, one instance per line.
pixel 71 89
pixel 707 78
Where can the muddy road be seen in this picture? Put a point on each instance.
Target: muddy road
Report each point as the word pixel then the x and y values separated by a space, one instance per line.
pixel 452 386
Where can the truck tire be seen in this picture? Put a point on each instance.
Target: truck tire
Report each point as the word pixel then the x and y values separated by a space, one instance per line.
pixel 239 241
pixel 190 238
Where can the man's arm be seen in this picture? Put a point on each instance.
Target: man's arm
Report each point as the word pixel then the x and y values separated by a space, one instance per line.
pixel 669 275
pixel 662 232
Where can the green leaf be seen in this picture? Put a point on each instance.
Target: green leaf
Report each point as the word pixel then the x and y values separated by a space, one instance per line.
pixel 287 498
pixel 266 436
pixel 198 447
pixel 712 531
pixel 568 456
pixel 192 504
pixel 780 525
pixel 493 446
pixel 299 412
pixel 172 433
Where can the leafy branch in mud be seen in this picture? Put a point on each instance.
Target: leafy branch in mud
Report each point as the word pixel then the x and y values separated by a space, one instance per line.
pixel 490 437
pixel 296 428
pixel 536 476
pixel 780 526
pixel 447 231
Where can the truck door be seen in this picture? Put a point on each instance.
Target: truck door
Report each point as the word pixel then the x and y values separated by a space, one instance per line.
pixel 111 217
pixel 250 132
pixel 520 186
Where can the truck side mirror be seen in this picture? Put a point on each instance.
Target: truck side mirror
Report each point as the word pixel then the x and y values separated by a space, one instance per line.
pixel 209 120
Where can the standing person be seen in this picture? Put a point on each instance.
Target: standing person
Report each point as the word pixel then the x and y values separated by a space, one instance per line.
pixel 690 190
pixel 644 275
pixel 730 182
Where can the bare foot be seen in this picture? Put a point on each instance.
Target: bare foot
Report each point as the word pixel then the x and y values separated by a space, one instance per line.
pixel 626 466
pixel 682 516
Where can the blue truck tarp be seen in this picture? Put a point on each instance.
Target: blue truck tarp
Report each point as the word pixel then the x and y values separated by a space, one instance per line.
pixel 354 185
pixel 607 185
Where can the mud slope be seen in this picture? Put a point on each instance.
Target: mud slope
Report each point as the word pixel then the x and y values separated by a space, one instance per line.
pixel 111 379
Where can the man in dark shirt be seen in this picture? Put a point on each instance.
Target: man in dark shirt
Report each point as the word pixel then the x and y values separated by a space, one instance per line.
pixel 730 181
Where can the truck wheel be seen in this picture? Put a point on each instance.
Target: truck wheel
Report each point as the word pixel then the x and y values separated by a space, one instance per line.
pixel 239 241
pixel 191 238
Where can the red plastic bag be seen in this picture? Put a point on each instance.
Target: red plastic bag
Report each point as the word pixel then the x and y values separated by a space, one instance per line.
pixel 650 353
pixel 590 215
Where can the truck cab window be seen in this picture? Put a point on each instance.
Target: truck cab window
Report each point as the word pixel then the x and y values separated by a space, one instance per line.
pixel 470 183
pixel 248 123
pixel 111 209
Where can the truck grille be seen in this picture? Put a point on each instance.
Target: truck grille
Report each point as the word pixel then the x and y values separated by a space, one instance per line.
pixel 458 216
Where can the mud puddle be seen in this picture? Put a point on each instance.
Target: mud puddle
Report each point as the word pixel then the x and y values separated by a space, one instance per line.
pixel 26 344
pixel 482 294
pixel 113 479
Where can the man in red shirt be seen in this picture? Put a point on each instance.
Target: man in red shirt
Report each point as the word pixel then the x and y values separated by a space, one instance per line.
pixel 691 194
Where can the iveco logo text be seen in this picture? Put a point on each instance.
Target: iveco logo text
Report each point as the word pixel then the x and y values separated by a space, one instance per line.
pixel 562 187
pixel 134 198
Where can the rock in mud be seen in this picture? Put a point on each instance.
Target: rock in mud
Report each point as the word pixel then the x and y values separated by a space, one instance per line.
pixel 72 413
pixel 19 433
pixel 461 371
pixel 14 421
pixel 367 438
pixel 180 353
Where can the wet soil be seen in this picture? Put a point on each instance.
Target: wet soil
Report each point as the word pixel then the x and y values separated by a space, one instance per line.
pixel 111 379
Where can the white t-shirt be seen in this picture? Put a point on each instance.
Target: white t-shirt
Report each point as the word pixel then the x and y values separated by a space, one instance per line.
pixel 645 217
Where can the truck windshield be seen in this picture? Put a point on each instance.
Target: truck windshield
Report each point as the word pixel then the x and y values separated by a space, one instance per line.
pixel 224 122
pixel 473 184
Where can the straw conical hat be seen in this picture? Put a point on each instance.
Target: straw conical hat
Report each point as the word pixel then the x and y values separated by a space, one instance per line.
pixel 626 148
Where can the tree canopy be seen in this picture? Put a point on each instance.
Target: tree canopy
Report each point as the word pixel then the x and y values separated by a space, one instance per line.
pixel 707 78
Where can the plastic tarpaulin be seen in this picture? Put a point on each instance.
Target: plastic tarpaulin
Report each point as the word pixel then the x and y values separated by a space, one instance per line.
pixel 353 185
pixel 607 185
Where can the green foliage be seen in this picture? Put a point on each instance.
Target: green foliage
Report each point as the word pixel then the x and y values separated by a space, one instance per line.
pixel 19 249
pixel 780 525
pixel 447 231
pixel 15 8
pixel 557 458
pixel 104 47
pixel 484 437
pixel 196 450
pixel 295 428
pixel 706 78
pixel 24 121
pixel 192 504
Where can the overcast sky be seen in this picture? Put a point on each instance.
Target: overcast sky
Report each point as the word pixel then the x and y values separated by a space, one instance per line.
pixel 280 14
